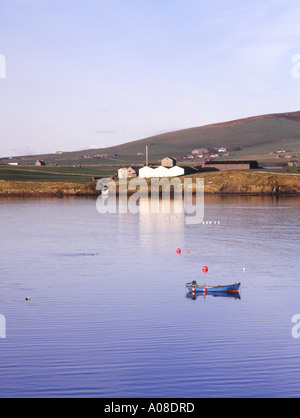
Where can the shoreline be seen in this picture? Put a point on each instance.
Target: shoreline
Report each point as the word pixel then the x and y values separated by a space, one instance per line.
pixel 235 183
pixel 45 189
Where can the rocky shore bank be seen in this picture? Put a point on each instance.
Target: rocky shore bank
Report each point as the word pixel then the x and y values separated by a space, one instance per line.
pixel 236 183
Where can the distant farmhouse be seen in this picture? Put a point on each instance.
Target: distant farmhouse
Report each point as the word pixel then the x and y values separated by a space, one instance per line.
pixel 40 163
pixel 200 151
pixel 168 162
pixel 128 172
pixel 293 163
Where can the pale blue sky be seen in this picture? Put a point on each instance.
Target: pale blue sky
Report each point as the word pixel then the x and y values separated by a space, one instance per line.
pixel 82 73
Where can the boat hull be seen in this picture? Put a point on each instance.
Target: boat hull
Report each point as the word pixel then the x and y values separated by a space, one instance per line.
pixel 232 288
pixel 233 295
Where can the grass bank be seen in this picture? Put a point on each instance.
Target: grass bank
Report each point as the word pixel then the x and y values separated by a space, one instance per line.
pixel 227 182
pixel 250 183
pixel 46 189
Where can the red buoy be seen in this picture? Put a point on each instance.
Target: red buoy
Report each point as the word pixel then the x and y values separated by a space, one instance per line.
pixel 205 269
pixel 178 251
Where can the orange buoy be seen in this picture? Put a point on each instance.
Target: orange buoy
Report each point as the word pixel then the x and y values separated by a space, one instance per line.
pixel 28 299
pixel 205 269
pixel 187 252
pixel 178 251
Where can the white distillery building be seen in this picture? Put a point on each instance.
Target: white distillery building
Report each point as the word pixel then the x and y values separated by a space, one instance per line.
pixel 149 172
pixel 176 171
pixel 161 172
pixel 146 172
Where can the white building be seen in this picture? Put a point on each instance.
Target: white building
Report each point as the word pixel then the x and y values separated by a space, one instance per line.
pixel 146 172
pixel 127 172
pixel 159 172
pixel 176 171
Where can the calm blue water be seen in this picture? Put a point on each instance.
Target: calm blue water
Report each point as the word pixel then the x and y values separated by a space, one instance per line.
pixel 109 316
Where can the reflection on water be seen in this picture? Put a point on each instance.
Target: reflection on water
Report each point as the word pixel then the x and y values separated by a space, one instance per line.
pixel 162 226
pixel 107 315
pixel 194 296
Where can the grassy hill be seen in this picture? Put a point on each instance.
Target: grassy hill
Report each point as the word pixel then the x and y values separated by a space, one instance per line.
pixel 257 137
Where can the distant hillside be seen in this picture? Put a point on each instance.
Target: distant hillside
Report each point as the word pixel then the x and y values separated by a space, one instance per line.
pixel 257 137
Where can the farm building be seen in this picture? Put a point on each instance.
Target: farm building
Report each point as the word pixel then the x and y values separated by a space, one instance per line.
pixel 40 163
pixel 168 162
pixel 293 163
pixel 188 170
pixel 200 151
pixel 231 165
pixel 128 172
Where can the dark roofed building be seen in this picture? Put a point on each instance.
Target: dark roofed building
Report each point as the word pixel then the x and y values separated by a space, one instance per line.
pixel 40 163
pixel 189 170
pixel 231 165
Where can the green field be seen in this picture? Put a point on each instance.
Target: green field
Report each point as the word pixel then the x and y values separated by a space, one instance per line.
pixel 54 174
pixel 81 175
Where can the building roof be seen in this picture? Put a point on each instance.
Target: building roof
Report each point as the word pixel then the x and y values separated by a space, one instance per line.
pixel 171 158
pixel 127 168
pixel 231 162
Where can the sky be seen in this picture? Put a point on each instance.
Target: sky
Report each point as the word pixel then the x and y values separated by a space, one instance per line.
pixel 80 74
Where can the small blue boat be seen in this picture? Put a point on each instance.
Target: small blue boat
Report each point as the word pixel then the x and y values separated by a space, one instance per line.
pixel 193 287
pixel 232 295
